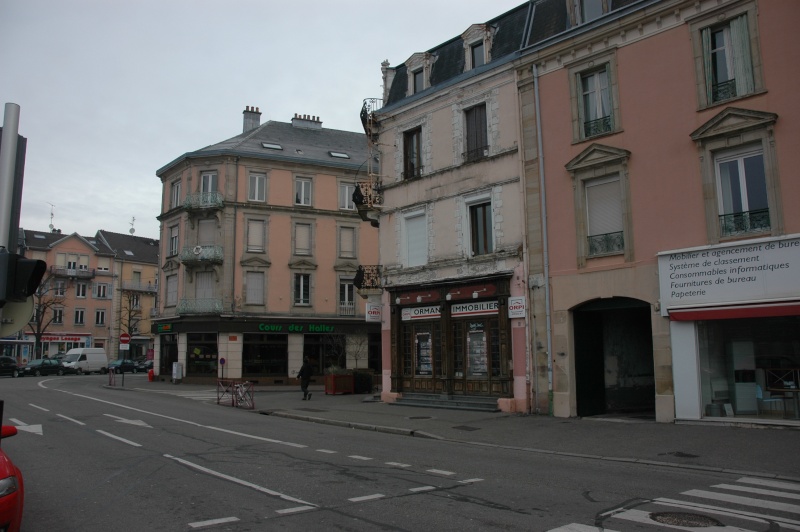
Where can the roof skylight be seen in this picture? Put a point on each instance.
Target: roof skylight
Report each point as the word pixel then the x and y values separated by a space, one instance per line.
pixel 338 154
pixel 272 146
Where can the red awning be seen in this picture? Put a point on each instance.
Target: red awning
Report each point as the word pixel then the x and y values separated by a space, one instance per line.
pixel 758 310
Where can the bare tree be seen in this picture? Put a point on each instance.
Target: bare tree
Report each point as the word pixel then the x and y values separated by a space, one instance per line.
pixel 130 314
pixel 46 301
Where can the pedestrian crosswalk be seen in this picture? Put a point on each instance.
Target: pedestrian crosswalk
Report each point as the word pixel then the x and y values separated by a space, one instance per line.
pixel 195 395
pixel 747 505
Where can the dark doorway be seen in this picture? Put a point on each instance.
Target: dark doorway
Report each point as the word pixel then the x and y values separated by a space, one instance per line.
pixel 614 358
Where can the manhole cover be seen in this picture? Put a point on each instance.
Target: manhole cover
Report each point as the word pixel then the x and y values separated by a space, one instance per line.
pixel 684 519
pixel 420 417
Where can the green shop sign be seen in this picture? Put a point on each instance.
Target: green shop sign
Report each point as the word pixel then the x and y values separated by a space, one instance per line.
pixel 297 328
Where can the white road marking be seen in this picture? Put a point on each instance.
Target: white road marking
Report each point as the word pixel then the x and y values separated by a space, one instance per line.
pixel 440 472
pixel 717 510
pixel 639 516
pixel 39 407
pixel 123 440
pixel 470 480
pixel 70 419
pixel 367 497
pixel 33 429
pixel 356 457
pixel 239 481
pixel 137 422
pixel 295 509
pixel 770 483
pixel 210 522
pixel 270 440
pixel 422 488
pixel 722 510
pixel 744 501
pixel 398 464
pixel 576 527
pixel 758 491
pixel 328 451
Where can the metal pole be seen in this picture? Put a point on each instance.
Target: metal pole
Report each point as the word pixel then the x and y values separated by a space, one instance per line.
pixel 8 160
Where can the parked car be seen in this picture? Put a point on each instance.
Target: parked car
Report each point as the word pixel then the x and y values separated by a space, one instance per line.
pixel 121 365
pixel 9 366
pixel 144 365
pixel 12 490
pixel 44 366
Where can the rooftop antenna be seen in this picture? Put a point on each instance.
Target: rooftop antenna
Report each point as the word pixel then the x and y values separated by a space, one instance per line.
pixel 132 230
pixel 52 208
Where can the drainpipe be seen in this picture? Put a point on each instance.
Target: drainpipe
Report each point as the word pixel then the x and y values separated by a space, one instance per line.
pixel 545 254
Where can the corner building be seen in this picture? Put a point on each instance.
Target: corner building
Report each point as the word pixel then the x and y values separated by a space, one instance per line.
pixel 261 244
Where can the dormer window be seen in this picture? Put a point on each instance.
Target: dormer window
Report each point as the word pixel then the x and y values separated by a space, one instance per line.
pixel 478 58
pixel 477 45
pixel 418 66
pixel 583 11
pixel 419 81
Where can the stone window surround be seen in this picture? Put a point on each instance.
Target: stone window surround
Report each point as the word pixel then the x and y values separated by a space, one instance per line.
pixel 415 63
pixel 575 69
pixel 472 36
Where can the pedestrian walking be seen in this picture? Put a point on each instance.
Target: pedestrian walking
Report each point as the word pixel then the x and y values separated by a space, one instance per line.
pixel 305 373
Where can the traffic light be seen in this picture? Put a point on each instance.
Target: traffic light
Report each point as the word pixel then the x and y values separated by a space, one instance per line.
pixel 19 277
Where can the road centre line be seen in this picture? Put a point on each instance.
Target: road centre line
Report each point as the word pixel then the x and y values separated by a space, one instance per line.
pixel 398 464
pixel 295 510
pixel 327 451
pixel 440 472
pixel 39 407
pixel 70 419
pixel 367 497
pixel 422 488
pixel 251 436
pixel 239 481
pixel 123 440
pixel 470 481
pixel 357 457
pixel 211 522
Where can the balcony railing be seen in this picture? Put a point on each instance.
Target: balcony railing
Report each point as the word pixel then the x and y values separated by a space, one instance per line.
pixel 137 286
pixel 193 255
pixel 154 312
pixel 597 127
pixel 723 91
pixel 368 277
pixel 200 306
pixel 744 222
pixel 203 200
pixel 606 244
pixel 476 154
pixel 79 273
pixel 368 117
pixel 347 308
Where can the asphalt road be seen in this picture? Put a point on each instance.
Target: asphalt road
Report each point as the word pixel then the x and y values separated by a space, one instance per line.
pixel 100 459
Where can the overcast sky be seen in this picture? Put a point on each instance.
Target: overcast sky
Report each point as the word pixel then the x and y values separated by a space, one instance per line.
pixel 111 91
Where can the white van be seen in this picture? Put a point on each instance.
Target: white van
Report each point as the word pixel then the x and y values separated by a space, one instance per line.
pixel 86 360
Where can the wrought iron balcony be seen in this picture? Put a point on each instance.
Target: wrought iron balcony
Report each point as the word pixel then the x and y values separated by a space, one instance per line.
pixel 367 199
pixel 723 91
pixel 599 126
pixel 137 286
pixel 199 306
pixel 203 201
pixel 77 273
pixel 192 256
pixel 744 222
pixel 476 154
pixel 606 244
pixel 368 116
pixel 368 277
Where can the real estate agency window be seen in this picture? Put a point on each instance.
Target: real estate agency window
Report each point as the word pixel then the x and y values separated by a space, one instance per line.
pixel 302 289
pixel 256 236
pixel 727 54
pixel 302 191
pixel 742 192
pixel 477 138
pixel 604 225
pixel 346 196
pixel 412 153
pixel 302 239
pixel 254 288
pixel 258 188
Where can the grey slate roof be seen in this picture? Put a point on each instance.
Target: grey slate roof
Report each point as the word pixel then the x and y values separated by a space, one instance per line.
pixel 301 145
pixel 129 247
pixel 45 240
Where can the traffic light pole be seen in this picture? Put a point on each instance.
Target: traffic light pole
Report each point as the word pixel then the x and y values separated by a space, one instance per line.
pixel 8 163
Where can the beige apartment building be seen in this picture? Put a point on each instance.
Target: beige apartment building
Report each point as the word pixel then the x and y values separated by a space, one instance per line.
pixel 95 289
pixel 261 244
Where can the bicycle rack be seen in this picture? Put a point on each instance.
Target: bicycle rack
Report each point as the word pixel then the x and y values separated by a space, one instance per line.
pixel 238 394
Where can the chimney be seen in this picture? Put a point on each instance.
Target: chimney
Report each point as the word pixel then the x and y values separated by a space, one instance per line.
pixel 252 118
pixel 307 121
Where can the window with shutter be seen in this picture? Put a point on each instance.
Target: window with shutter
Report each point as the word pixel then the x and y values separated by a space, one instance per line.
pixel 255 288
pixel 255 236
pixel 347 238
pixel 416 241
pixel 302 239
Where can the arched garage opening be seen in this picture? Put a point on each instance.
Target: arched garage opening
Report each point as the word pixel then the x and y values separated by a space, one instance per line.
pixel 614 357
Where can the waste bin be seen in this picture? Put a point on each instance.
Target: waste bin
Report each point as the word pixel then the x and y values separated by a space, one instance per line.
pixel 177 372
pixel 151 375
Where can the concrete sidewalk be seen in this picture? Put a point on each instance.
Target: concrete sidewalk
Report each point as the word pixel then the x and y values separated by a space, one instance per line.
pixel 772 452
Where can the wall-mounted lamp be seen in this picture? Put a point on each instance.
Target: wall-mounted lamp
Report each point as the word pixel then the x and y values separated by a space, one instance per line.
pixel 476 292
pixel 419 298
pixel 399 299
pixel 449 295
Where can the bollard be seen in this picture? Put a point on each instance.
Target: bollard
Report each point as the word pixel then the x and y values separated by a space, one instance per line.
pixel 151 376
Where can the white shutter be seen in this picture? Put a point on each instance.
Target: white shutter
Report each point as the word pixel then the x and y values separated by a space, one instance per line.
pixel 172 290
pixel 302 239
pixel 255 288
pixel 347 242
pixel 205 232
pixel 204 285
pixel 416 240
pixel 604 207
pixel 255 235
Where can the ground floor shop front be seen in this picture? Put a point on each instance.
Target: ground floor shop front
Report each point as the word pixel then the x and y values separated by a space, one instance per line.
pixel 734 312
pixel 268 352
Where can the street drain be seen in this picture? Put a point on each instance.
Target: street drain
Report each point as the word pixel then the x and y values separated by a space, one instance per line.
pixel 684 519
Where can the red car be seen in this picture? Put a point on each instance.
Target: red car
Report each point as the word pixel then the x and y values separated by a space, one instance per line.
pixel 12 491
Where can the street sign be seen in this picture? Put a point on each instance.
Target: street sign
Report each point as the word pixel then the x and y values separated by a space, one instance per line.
pixel 124 338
